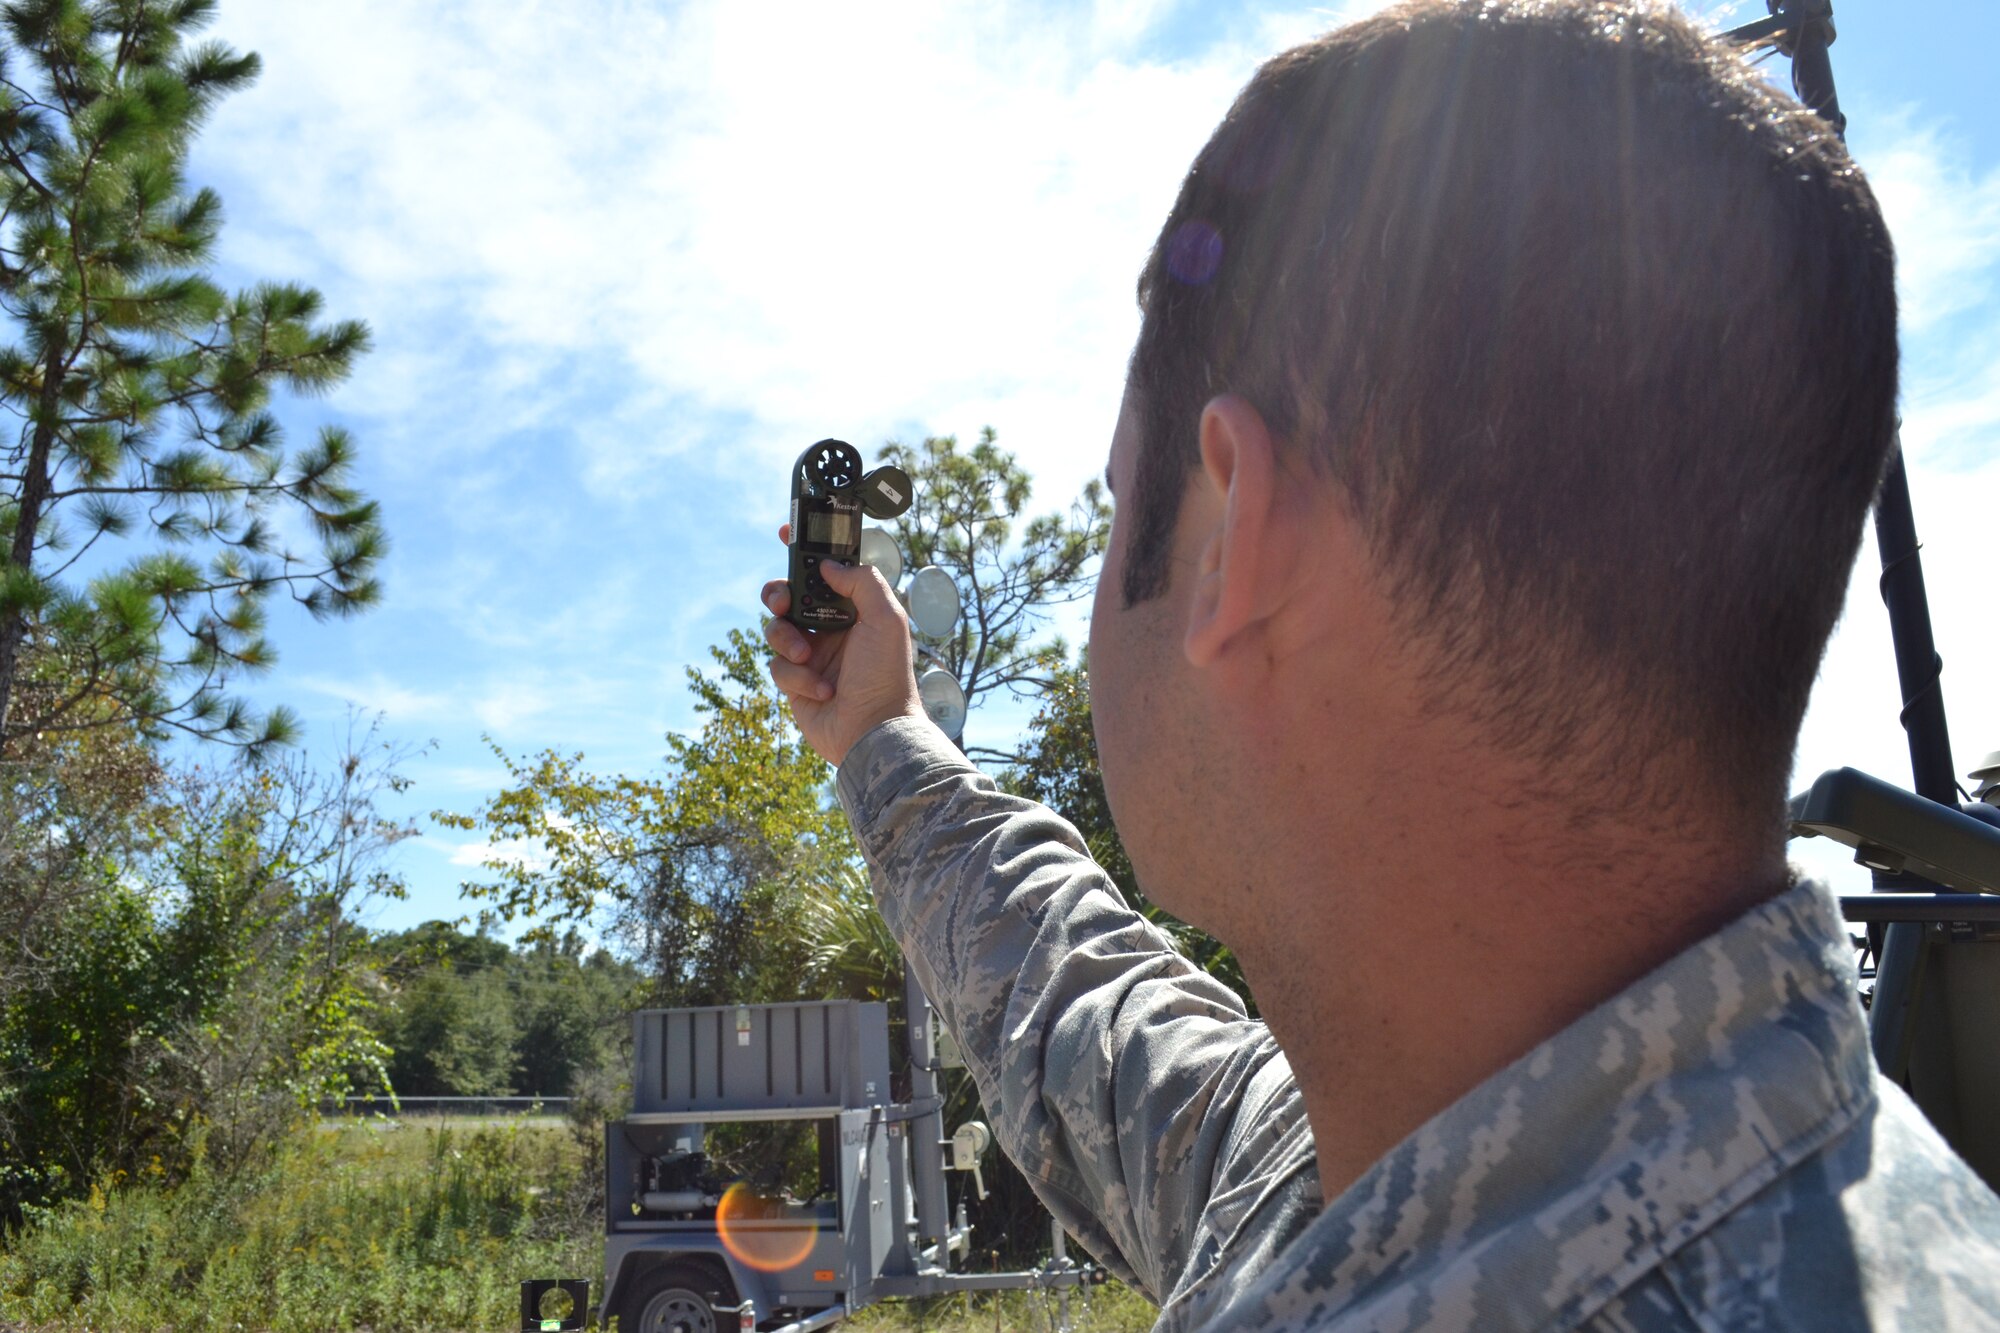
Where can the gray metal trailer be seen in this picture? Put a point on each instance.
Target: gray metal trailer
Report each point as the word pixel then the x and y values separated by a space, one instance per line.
pixel 681 1257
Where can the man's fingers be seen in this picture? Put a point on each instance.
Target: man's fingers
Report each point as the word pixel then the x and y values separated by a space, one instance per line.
pixel 787 640
pixel 862 585
pixel 785 533
pixel 799 680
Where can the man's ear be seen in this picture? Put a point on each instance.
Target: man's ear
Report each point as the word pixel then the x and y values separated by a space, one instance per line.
pixel 1243 562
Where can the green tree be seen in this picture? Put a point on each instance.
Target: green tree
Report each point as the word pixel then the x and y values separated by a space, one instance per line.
pixel 734 876
pixel 405 954
pixel 571 1010
pixel 464 1015
pixel 967 516
pixel 850 953
pixel 452 1035
pixel 448 1035
pixel 208 989
pixel 143 391
pixel 701 871
pixel 74 806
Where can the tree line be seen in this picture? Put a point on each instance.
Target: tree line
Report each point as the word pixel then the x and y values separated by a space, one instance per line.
pixel 463 1014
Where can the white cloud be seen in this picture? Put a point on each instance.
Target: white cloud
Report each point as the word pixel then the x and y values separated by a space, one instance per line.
pixel 527 853
pixel 505 705
pixel 501 704
pixel 1945 218
pixel 465 777
pixel 379 694
pixel 779 221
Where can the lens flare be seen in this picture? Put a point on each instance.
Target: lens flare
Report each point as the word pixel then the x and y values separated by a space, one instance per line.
pixel 1194 251
pixel 759 1231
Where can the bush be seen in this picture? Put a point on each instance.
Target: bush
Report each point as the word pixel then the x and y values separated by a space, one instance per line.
pixel 202 987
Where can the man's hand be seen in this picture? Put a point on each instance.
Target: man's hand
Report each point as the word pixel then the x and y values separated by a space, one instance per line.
pixel 842 685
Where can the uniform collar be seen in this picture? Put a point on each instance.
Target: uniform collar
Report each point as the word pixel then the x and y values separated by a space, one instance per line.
pixel 1555 1184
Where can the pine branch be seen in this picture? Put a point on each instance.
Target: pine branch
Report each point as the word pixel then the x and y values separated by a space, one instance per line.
pixel 13 159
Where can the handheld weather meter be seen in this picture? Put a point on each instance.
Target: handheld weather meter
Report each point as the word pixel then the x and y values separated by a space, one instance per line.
pixel 830 493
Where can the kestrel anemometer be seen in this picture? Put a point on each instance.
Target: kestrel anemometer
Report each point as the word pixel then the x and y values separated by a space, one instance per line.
pixel 830 493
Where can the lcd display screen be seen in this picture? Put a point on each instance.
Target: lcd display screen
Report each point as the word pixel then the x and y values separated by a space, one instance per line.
pixel 832 532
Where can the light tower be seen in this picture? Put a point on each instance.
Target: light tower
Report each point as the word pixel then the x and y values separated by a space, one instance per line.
pixel 932 600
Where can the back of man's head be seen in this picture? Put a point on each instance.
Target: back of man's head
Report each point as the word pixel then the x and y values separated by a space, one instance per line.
pixel 1594 333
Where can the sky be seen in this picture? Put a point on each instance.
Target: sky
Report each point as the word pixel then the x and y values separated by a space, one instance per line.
pixel 623 261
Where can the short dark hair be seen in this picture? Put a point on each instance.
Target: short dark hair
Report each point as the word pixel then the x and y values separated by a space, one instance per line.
pixel 1595 330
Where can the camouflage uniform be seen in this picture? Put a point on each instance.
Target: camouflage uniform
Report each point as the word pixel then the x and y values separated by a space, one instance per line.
pixel 1709 1149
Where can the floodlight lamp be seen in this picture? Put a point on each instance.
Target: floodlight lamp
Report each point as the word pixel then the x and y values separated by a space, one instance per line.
pixel 933 601
pixel 1987 776
pixel 944 700
pixel 879 549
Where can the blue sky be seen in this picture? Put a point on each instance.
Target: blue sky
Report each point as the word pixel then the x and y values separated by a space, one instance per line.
pixel 623 261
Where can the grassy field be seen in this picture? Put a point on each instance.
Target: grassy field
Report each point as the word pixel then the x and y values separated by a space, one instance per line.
pixel 1107 1309
pixel 356 1228
pixel 421 1227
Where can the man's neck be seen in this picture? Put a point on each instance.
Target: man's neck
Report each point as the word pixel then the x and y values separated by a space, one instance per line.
pixel 1397 983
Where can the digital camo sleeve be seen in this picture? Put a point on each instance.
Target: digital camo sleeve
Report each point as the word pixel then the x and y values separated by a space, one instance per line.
pixel 1114 1068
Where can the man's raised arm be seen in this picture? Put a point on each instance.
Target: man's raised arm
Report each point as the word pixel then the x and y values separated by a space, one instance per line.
pixel 1128 1085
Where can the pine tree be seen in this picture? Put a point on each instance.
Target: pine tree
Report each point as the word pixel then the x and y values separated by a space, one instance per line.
pixel 964 516
pixel 142 500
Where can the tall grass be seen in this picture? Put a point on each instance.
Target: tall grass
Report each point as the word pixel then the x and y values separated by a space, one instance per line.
pixel 384 1230
pixel 343 1229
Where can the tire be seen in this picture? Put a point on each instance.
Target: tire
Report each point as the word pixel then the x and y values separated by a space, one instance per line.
pixel 675 1297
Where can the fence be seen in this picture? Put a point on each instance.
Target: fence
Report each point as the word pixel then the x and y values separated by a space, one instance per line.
pixel 408 1107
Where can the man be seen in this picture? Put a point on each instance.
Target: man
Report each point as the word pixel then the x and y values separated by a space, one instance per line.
pixel 1513 381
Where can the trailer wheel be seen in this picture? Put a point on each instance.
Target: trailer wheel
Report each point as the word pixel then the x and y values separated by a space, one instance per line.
pixel 676 1298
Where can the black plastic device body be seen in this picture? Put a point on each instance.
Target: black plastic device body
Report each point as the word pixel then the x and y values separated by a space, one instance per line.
pixel 830 495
